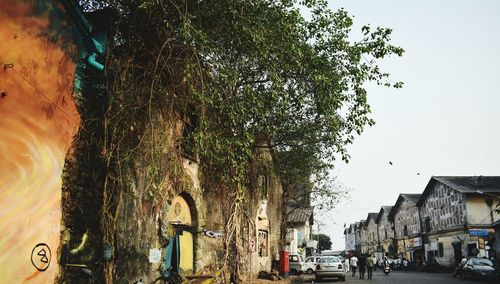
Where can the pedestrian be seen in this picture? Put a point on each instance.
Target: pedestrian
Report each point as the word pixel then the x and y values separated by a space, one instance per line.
pixel 405 264
pixel 354 265
pixel 362 266
pixel 370 264
pixel 346 264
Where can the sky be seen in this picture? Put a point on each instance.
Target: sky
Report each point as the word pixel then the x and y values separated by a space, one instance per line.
pixel 445 120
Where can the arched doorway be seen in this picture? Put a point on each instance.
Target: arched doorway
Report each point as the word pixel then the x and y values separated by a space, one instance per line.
pixel 179 251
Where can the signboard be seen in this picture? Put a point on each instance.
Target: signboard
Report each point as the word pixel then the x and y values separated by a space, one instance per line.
pixel 312 244
pixel 417 242
pixel 434 246
pixel 478 232
pixel 154 255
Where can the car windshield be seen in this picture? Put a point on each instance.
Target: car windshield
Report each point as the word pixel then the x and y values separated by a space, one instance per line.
pixel 481 262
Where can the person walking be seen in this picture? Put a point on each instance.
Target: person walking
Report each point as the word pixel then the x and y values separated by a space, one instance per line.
pixel 362 266
pixel 370 264
pixel 346 264
pixel 405 264
pixel 354 264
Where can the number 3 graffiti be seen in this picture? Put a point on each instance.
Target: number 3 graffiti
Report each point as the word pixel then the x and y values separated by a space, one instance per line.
pixel 40 256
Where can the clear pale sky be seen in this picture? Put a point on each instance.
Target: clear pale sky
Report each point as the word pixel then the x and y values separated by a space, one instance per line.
pixel 445 121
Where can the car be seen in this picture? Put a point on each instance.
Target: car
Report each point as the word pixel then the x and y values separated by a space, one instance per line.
pixel 296 263
pixel 310 264
pixel 329 267
pixel 479 268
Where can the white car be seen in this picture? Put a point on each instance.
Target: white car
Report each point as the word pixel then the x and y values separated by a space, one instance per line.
pixel 296 264
pixel 310 264
pixel 329 267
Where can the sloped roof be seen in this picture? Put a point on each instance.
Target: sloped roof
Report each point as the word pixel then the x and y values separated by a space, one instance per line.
pixel 362 223
pixel 380 213
pixel 464 184
pixel 299 215
pixel 371 216
pixel 410 197
pixel 351 228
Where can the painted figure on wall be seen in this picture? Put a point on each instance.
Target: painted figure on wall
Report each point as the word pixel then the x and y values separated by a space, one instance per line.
pixel 39 120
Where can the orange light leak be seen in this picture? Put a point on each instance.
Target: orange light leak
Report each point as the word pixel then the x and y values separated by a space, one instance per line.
pixel 38 120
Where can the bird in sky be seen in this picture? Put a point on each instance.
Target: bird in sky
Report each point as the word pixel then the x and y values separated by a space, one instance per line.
pixel 390 163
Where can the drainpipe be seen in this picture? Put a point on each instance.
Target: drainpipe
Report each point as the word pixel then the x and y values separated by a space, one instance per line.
pixel 93 62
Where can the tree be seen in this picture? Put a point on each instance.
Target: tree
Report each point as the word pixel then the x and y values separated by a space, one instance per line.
pixel 324 242
pixel 256 73
pixel 259 75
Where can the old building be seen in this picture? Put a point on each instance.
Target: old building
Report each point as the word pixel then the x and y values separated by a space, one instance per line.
pixel 299 231
pixel 496 241
pixel 406 219
pixel 357 237
pixel 372 238
pixel 64 191
pixel 456 212
pixel 363 237
pixel 350 240
pixel 385 230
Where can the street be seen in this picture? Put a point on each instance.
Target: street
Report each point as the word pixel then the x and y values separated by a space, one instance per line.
pixel 397 277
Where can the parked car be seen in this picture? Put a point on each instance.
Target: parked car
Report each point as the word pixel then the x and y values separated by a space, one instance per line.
pixel 329 267
pixel 479 268
pixel 296 263
pixel 310 264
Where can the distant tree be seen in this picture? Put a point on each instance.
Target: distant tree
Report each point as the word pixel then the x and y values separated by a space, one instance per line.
pixel 324 242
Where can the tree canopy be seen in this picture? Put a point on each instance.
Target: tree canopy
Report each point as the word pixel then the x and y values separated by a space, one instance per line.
pixel 324 242
pixel 259 74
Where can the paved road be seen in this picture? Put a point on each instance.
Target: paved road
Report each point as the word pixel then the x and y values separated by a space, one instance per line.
pixel 396 277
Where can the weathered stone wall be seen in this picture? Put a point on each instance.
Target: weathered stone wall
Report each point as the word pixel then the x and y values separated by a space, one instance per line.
pixel 372 233
pixel 385 231
pixel 267 196
pixel 479 213
pixel 445 207
pixel 407 215
pixel 208 252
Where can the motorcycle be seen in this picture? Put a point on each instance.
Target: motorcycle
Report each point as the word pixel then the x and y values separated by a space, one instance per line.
pixel 386 269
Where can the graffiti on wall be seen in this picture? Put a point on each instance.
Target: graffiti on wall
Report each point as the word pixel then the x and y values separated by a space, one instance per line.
pixel 38 121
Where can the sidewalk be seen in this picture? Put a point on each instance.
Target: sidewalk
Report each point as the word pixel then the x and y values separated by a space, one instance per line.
pixel 288 280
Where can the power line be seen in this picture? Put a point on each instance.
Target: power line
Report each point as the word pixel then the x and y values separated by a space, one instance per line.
pixel 41 93
pixel 68 132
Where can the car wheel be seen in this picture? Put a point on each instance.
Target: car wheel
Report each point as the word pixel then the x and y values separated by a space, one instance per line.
pixel 310 271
